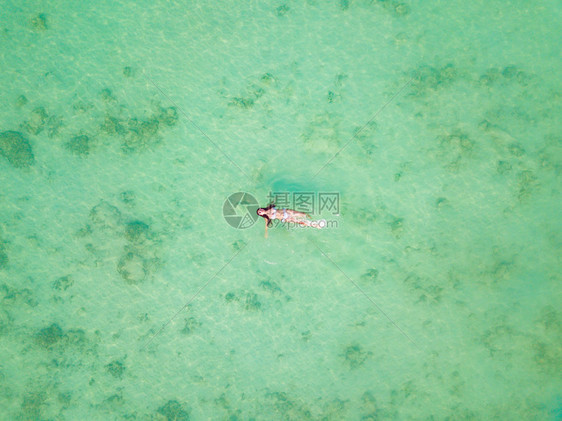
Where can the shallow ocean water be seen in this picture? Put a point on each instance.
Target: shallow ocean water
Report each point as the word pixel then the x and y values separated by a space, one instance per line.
pixel 435 294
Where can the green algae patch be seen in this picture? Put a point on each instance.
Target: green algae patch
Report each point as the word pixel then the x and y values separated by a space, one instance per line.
pixel 15 147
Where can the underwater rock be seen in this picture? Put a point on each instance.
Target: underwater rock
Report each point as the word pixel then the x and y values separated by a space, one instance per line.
pixel 441 202
pixel 105 215
pixel 140 134
pixel 49 336
pixel 137 232
pixel 252 302
pixel 107 95
pixel 79 145
pixel 5 321
pixel 282 10
pixel 21 101
pixel 267 78
pixel 371 275
pixel 82 107
pixel 39 22
pixel 116 369
pixel 290 408
pixel 503 167
pixel 63 283
pixel 550 320
pixel 127 197
pixel 242 102
pixel 3 257
pixel 54 125
pixel 490 77
pixel 306 335
pixel 516 149
pixel 173 411
pixel 394 7
pixel 401 9
pixel 457 140
pixel 168 116
pixel 132 268
pixel 76 338
pixel 429 78
pixel 355 356
pixel 271 287
pixel 128 71
pixel 396 226
pixel 322 134
pixel 112 126
pixel 15 147
pixel 190 325
pixel 238 245
pixel 508 74
pixel 454 148
pixel 37 121
pixel 526 182
pixel 9 295
pixel 333 97
pixel 33 406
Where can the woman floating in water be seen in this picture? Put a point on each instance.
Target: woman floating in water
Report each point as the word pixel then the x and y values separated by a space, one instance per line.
pixel 288 215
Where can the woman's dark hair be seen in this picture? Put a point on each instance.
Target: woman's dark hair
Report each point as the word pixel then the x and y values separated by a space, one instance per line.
pixel 270 206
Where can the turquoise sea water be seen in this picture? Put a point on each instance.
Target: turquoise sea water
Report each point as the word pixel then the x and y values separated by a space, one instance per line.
pixel 125 294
